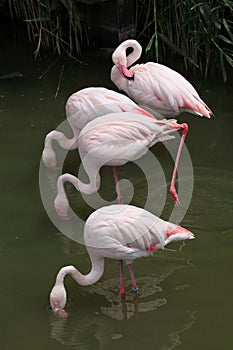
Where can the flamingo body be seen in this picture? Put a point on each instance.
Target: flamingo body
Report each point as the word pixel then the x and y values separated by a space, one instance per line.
pixel 119 232
pixel 113 139
pixel 90 103
pixel 153 85
pixel 81 108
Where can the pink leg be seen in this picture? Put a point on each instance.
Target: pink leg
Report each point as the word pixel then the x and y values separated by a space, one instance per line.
pixel 120 201
pixel 119 197
pixel 134 284
pixel 122 285
pixel 173 192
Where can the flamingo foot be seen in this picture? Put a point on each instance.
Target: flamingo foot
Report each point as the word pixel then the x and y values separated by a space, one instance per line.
pixel 174 196
pixel 135 291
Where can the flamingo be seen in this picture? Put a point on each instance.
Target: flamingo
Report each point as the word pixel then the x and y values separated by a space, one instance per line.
pixel 82 107
pixel 115 139
pixel 153 85
pixel 119 232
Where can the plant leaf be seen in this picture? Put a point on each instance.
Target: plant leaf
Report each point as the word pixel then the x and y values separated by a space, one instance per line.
pixel 37 20
pixel 222 37
pixel 224 75
pixel 148 47
pixel 227 29
pixel 178 50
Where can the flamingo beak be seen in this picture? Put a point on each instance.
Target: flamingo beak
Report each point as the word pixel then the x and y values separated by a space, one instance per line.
pixel 124 72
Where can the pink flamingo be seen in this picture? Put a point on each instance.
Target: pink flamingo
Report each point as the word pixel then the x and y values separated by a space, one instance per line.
pixel 153 85
pixel 115 139
pixel 120 232
pixel 82 107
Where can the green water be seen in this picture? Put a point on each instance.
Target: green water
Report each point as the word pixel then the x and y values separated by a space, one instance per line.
pixel 185 297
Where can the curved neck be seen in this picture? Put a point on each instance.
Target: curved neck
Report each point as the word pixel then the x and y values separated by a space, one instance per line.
pixel 120 58
pixel 119 55
pixel 117 79
pixel 135 54
pixel 48 155
pixel 92 277
pixel 87 188
pixel 62 140
pixel 61 202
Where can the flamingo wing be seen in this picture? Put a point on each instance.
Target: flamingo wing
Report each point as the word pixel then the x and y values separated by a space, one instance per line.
pixel 165 90
pixel 120 137
pixel 90 103
pixel 128 235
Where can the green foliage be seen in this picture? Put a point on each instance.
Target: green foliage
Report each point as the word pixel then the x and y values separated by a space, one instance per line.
pixel 55 25
pixel 199 32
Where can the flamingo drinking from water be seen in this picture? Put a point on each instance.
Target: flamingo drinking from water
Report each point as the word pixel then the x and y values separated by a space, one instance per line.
pixel 120 232
pixel 153 85
pixel 82 107
pixel 115 139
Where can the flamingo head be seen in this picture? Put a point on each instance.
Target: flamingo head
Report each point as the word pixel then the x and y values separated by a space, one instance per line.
pixel 49 158
pixel 177 233
pixel 58 299
pixel 120 62
pixel 61 205
pixel 125 72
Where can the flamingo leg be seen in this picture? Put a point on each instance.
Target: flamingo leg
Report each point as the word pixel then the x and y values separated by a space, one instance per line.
pixel 119 197
pixel 130 266
pixel 122 284
pixel 120 201
pixel 173 192
pixel 134 284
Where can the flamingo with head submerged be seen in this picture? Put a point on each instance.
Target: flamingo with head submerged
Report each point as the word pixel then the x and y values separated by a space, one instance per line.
pixel 82 107
pixel 153 85
pixel 119 232
pixel 115 139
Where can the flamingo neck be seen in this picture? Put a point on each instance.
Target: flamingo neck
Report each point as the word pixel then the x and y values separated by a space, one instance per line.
pixel 49 156
pixel 62 140
pixel 118 80
pixel 135 54
pixel 122 62
pixel 92 277
pixel 87 188
pixel 119 55
pixel 61 202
